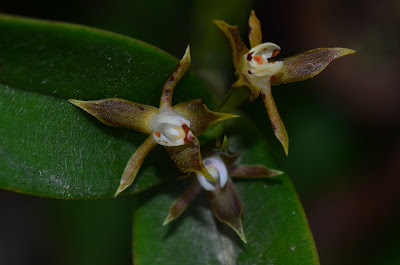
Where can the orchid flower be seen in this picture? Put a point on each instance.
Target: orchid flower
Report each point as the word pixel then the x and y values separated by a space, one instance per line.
pixel 222 195
pixel 174 127
pixel 257 71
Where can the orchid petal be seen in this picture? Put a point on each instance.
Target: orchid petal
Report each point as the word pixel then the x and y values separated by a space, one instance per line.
pixel 120 113
pixel 253 171
pixel 277 125
pixel 200 116
pixel 134 163
pixel 255 36
pixel 180 205
pixel 307 64
pixel 172 81
pixel 276 122
pixel 187 158
pixel 227 207
pixel 232 35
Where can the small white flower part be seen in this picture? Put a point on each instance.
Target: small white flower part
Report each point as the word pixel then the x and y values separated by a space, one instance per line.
pixel 216 167
pixel 257 60
pixel 171 129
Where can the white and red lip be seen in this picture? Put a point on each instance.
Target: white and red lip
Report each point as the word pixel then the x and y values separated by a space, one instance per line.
pixel 171 129
pixel 257 60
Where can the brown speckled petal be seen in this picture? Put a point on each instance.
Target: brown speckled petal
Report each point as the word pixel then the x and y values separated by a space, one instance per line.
pixel 134 163
pixel 253 171
pixel 187 158
pixel 277 125
pixel 308 64
pixel 227 207
pixel 180 205
pixel 120 113
pixel 173 80
pixel 200 116
pixel 276 122
pixel 255 36
pixel 232 35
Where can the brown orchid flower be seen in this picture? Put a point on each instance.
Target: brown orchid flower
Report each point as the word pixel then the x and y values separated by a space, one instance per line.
pixel 174 127
pixel 256 71
pixel 222 195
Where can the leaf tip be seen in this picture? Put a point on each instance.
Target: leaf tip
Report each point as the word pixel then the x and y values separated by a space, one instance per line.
pixel 168 219
pixel 186 59
pixel 204 172
pixel 226 116
pixel 275 172
pixel 345 51
pixel 239 231
pixel 79 103
pixel 219 23
pixel 120 189
pixel 285 145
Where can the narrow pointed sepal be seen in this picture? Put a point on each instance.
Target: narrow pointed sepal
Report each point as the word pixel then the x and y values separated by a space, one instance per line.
pixel 253 171
pixel 276 122
pixel 180 205
pixel 173 80
pixel 255 36
pixel 120 113
pixel 187 158
pixel 134 163
pixel 308 64
pixel 200 117
pixel 232 35
pixel 227 207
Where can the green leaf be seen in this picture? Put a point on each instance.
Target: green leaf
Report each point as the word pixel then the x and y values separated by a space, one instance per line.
pixel 51 148
pixel 273 220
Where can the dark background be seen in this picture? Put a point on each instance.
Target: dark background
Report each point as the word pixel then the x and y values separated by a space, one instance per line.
pixel 343 125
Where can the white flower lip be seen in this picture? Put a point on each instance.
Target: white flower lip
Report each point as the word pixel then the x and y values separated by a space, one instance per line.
pixel 171 129
pixel 216 167
pixel 257 60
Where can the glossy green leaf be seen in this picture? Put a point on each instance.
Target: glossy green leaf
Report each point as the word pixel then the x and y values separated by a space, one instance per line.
pixel 273 219
pixel 50 148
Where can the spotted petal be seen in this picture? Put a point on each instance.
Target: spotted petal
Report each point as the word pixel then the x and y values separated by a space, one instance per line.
pixel 255 35
pixel 239 49
pixel 232 35
pixel 187 158
pixel 307 64
pixel 200 116
pixel 120 113
pixel 180 205
pixel 173 80
pixel 227 207
pixel 276 122
pixel 253 171
pixel 134 164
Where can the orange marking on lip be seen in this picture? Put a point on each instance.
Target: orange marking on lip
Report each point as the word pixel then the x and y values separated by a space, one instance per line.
pixel 275 53
pixel 157 134
pixel 258 59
